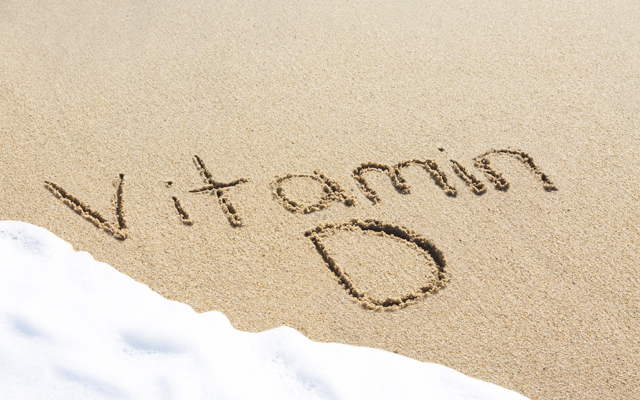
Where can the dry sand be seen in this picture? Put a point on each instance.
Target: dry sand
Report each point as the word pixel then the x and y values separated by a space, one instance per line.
pixel 540 290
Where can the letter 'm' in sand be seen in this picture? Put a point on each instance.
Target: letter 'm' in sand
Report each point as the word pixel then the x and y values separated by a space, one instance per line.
pixel 476 186
pixel 397 180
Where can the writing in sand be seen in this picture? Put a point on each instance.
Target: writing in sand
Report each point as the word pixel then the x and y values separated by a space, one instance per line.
pixel 333 191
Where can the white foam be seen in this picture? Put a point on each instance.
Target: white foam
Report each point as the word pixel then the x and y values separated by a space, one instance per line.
pixel 75 328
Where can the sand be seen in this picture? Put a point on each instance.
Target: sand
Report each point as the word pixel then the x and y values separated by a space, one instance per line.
pixel 290 164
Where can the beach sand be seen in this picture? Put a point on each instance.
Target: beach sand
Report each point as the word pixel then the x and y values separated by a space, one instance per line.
pixel 187 136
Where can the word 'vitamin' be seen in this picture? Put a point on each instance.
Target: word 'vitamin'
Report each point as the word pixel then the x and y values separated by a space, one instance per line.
pixel 332 191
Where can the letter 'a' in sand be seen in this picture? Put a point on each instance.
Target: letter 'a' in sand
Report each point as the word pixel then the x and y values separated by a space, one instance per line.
pixel 331 191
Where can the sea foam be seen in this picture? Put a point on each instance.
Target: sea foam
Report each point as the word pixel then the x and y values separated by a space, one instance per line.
pixel 75 328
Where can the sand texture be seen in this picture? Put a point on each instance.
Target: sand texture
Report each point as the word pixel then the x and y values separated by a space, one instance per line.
pixel 455 181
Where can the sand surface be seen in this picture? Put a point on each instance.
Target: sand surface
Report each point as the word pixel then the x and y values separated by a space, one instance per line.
pixel 187 136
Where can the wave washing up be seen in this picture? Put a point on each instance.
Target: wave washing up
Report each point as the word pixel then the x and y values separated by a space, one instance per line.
pixel 75 328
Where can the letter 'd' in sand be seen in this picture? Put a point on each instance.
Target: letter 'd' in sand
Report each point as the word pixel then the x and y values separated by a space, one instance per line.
pixel 396 282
